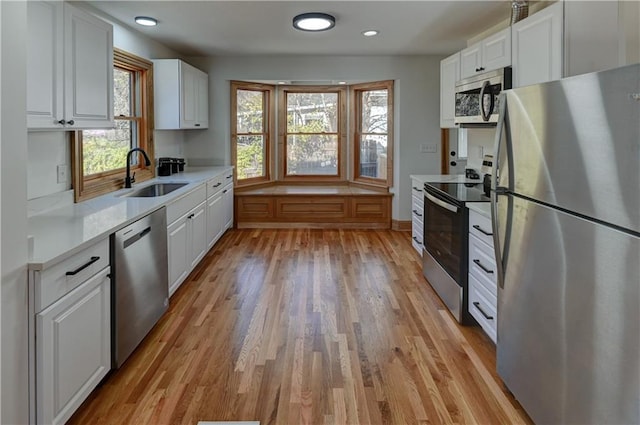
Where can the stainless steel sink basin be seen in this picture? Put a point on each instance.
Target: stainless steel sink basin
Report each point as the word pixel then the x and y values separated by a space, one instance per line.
pixel 154 190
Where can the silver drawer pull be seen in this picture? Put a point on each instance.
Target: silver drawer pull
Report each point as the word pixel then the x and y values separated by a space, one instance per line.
pixel 479 264
pixel 82 267
pixel 476 304
pixel 481 230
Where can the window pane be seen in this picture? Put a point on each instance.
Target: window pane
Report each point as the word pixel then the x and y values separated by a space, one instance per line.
pixel 312 154
pixel 250 157
pixel 250 111
pixel 312 112
pixel 122 84
pixel 373 156
pixel 105 150
pixel 374 111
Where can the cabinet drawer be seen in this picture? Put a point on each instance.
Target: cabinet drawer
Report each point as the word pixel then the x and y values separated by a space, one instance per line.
pixel 482 308
pixel 215 185
pixel 416 239
pixel 53 283
pixel 182 205
pixel 416 189
pixel 480 226
pixel 482 264
pixel 417 210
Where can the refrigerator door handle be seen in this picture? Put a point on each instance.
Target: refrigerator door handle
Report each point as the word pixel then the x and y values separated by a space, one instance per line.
pixel 496 191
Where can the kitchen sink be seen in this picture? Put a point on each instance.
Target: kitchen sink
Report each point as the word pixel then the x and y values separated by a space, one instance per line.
pixel 154 190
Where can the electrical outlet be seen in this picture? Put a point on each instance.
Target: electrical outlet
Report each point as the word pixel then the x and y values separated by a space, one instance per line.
pixel 63 173
pixel 426 148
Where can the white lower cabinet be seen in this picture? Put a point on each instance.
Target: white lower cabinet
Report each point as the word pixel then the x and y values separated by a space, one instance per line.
pixel 187 244
pixel 483 289
pixel 417 212
pixel 227 206
pixel 214 218
pixel 73 348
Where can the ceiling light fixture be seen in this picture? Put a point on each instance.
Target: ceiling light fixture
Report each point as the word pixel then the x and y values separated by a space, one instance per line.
pixel 314 22
pixel 370 33
pixel 146 21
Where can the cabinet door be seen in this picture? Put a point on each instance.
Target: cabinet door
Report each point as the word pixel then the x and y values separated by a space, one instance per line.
pixel 202 95
pixel 73 349
pixel 471 61
pixel 449 75
pixel 44 64
pixel 188 96
pixel 227 205
pixel 496 50
pixel 594 32
pixel 88 82
pixel 198 234
pixel 537 47
pixel 177 241
pixel 215 218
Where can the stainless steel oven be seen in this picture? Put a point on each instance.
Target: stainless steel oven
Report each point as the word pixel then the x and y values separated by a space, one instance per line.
pixel 445 255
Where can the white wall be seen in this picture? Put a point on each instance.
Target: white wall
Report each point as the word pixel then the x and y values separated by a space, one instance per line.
pixel 417 96
pixel 480 141
pixel 47 150
pixel 13 143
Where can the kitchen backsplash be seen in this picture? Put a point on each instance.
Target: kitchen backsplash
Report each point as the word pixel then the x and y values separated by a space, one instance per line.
pixel 480 142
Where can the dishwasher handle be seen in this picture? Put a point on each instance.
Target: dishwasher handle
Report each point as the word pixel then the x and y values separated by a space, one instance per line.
pixel 135 238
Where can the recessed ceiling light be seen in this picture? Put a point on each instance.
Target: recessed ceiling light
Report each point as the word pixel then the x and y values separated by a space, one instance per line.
pixel 342 82
pixel 370 33
pixel 282 82
pixel 314 22
pixel 146 21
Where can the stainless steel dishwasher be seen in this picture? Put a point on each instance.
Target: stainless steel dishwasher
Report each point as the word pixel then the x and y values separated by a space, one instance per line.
pixel 140 290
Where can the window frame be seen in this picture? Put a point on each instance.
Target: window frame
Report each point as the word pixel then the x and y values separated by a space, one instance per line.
pixel 341 175
pixel 355 123
pixel 268 129
pixel 87 187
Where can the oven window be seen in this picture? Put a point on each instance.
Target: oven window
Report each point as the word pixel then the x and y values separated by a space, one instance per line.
pixel 443 237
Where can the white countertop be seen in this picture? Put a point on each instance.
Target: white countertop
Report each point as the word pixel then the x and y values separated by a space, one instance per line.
pixel 483 208
pixel 62 232
pixel 443 178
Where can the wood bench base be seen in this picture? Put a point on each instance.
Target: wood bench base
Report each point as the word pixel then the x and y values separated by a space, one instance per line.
pixel 315 207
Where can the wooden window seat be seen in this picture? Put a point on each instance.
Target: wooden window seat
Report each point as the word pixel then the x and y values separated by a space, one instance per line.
pixel 318 206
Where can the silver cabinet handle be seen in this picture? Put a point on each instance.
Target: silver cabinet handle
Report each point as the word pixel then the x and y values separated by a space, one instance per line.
pixel 442 204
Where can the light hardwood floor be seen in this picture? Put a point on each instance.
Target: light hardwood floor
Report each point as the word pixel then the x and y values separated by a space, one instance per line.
pixel 307 326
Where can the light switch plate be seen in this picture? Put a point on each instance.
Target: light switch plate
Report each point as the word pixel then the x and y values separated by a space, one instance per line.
pixel 427 148
pixel 63 173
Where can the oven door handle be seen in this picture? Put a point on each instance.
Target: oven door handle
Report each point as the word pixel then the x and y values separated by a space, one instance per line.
pixel 441 203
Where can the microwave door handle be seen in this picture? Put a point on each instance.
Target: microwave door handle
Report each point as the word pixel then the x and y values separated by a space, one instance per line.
pixel 486 90
pixel 442 204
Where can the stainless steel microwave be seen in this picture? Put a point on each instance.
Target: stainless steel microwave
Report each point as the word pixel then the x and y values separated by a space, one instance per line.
pixel 477 97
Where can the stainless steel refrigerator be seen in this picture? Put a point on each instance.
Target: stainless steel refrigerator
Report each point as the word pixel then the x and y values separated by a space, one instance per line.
pixel 566 210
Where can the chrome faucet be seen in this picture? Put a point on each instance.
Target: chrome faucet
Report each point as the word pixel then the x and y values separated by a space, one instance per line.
pixel 128 179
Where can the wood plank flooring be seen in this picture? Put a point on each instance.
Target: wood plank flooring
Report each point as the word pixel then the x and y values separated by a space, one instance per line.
pixel 307 326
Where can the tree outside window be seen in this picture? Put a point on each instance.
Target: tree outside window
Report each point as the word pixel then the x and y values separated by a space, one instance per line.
pixel 373 135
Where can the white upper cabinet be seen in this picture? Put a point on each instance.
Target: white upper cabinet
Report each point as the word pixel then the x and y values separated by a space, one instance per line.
pixel 69 68
pixel 181 95
pixel 449 75
pixel 572 38
pixel 494 52
pixel 537 47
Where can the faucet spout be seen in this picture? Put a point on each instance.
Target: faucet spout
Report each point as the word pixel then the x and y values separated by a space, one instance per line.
pixel 128 179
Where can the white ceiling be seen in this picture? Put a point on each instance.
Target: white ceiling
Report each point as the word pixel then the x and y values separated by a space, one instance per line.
pixel 209 28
